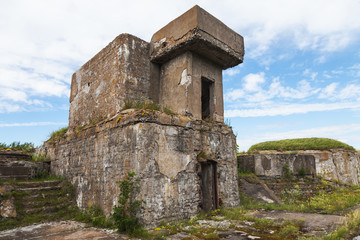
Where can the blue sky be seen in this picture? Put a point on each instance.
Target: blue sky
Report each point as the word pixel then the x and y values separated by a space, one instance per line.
pixel 300 76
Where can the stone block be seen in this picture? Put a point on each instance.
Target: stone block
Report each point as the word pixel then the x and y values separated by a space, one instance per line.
pixel 198 31
pixel 119 71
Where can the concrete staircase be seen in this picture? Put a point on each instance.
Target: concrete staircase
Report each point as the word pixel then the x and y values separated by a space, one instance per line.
pixel 36 200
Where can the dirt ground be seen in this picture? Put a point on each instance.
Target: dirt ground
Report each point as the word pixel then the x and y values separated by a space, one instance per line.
pixel 69 230
pixel 314 224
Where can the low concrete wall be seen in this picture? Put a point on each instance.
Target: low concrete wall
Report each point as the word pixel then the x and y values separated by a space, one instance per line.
pixel 336 164
pixel 16 166
pixel 272 164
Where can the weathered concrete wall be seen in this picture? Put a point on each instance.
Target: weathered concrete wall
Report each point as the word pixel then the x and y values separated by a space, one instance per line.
pixel 272 164
pixel 162 149
pixel 336 164
pixel 181 86
pixel 204 68
pixel 120 71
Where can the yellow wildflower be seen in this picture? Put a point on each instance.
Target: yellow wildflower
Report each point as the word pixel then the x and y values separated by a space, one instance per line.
pixel 157 229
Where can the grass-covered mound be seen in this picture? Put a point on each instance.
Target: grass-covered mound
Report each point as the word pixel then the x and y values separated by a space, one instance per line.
pixel 300 144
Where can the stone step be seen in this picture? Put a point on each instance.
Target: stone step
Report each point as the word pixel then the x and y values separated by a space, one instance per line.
pixel 42 195
pixel 14 156
pixel 38 184
pixel 46 209
pixel 44 202
pixel 39 198
pixel 38 189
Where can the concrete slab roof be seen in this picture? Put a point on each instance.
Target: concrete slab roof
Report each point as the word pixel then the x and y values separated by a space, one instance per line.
pixel 198 31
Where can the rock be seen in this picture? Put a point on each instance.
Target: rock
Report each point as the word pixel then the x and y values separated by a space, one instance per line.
pixel 214 224
pixel 7 208
pixel 253 237
pixel 178 236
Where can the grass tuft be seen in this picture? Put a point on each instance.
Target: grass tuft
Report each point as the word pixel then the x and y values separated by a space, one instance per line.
pixel 58 134
pixel 17 146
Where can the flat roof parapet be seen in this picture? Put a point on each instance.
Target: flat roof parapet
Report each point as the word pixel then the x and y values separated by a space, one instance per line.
pixel 200 32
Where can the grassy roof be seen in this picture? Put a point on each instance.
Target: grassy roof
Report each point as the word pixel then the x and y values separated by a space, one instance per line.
pixel 300 144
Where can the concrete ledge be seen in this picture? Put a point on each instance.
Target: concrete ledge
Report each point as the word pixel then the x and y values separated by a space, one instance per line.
pixel 200 32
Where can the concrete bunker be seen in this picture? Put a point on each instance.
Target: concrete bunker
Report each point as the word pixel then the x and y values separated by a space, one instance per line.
pixel 181 69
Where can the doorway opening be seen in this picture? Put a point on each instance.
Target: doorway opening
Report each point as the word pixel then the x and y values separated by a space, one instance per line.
pixel 206 96
pixel 210 199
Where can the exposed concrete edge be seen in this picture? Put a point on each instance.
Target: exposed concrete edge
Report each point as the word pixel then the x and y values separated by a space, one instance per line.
pixel 126 118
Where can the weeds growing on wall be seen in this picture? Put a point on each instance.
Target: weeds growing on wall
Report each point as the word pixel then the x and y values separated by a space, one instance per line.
pixel 146 104
pixel 40 157
pixel 17 146
pixel 124 213
pixel 287 173
pixel 58 134
pixel 95 217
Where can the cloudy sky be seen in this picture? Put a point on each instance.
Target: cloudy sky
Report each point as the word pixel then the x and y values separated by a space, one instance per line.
pixel 300 76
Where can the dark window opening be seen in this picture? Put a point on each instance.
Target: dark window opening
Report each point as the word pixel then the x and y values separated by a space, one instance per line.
pixel 206 93
pixel 210 199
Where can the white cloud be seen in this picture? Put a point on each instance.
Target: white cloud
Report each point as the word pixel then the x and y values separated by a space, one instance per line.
pixel 355 69
pixel 44 42
pixel 232 71
pixel 318 25
pixel 6 107
pixel 31 124
pixel 253 89
pixel 288 109
pixel 328 91
pixel 332 92
pixel 253 81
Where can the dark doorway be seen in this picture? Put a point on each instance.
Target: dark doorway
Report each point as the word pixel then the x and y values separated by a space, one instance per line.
pixel 206 96
pixel 209 186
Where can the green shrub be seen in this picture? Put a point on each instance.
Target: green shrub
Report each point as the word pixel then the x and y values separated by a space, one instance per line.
pixel 302 172
pixel 40 157
pixel 300 144
pixel 94 216
pixel 124 214
pixel 289 231
pixel 287 173
pixel 58 134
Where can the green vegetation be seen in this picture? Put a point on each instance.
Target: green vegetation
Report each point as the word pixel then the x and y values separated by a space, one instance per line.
pixel 124 214
pixel 95 217
pixel 58 134
pixel 294 199
pixel 57 202
pixel 287 173
pixel 146 104
pixel 17 146
pixel 141 104
pixel 40 157
pixel 348 230
pixel 300 144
